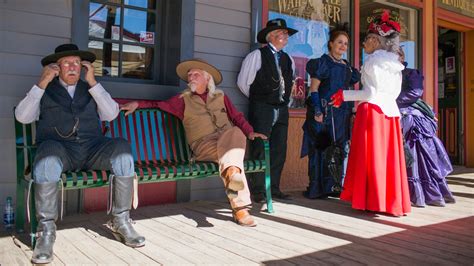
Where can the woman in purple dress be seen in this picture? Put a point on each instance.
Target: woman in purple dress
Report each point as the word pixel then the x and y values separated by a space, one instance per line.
pixel 427 174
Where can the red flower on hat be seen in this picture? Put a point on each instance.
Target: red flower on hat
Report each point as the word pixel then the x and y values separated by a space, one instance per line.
pixel 372 27
pixel 395 25
pixel 385 15
pixel 385 28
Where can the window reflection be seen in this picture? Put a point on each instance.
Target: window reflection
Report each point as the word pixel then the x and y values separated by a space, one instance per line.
pixel 139 26
pixel 150 4
pixel 313 19
pixel 137 62
pixel 122 34
pixel 107 58
pixel 104 21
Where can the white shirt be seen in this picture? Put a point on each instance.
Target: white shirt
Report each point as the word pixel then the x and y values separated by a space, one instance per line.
pixel 381 78
pixel 28 110
pixel 250 66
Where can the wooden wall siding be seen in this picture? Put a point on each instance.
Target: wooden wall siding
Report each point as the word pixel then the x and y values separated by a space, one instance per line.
pixel 295 174
pixel 38 24
pixel 31 44
pixel 218 12
pixel 29 30
pixel 222 37
pixel 221 31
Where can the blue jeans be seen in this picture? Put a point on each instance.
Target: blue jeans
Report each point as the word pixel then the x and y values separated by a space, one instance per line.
pixel 101 153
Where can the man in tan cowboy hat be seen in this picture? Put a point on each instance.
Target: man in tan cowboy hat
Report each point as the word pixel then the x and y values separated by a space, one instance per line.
pixel 69 137
pixel 215 130
pixel 266 77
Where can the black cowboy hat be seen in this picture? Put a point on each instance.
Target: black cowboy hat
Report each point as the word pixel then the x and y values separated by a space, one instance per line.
pixel 274 24
pixel 68 49
pixel 183 68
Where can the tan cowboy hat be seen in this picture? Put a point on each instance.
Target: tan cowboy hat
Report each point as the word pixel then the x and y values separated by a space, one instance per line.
pixel 183 68
pixel 274 24
pixel 68 49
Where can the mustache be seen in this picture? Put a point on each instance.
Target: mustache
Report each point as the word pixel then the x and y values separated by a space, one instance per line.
pixel 72 72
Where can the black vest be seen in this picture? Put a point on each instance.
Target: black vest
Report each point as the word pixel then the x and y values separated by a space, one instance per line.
pixel 265 86
pixel 63 118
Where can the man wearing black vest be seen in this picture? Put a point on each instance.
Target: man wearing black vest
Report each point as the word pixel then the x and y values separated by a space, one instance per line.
pixel 69 137
pixel 266 77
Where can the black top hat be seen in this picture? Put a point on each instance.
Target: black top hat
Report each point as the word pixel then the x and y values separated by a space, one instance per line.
pixel 68 49
pixel 274 24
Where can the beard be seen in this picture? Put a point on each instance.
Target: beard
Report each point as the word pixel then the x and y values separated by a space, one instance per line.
pixel 192 86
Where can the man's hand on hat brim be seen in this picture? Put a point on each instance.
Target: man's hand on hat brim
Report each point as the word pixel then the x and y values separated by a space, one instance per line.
pixel 49 73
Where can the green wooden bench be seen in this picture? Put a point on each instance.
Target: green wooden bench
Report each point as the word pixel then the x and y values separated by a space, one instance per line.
pixel 159 148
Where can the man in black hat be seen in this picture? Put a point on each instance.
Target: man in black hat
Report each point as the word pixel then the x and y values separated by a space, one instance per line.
pixel 69 137
pixel 266 77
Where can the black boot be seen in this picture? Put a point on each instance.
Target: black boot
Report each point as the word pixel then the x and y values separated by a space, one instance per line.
pixel 122 188
pixel 46 202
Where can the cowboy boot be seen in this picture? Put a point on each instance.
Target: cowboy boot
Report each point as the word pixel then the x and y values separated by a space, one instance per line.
pixel 120 225
pixel 242 217
pixel 46 203
pixel 234 179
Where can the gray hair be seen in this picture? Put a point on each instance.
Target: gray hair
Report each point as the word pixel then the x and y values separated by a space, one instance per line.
pixel 211 85
pixel 267 37
pixel 390 43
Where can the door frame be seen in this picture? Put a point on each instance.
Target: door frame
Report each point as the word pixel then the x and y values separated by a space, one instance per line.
pixel 453 144
pixel 462 24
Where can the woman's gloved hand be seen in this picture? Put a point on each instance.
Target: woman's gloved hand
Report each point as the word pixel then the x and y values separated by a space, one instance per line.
pixel 337 98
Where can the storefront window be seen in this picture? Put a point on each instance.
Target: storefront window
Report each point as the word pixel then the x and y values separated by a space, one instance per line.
pixel 408 23
pixel 313 19
pixel 122 34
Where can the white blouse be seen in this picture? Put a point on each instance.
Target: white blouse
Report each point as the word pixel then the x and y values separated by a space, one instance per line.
pixel 382 82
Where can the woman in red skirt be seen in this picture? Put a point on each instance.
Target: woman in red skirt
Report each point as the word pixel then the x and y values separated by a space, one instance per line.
pixel 376 178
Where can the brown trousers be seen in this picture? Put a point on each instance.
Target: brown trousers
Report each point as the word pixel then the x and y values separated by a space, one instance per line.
pixel 227 148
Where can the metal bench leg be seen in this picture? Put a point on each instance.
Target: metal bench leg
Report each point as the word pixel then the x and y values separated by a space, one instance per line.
pixel 20 206
pixel 268 182
pixel 33 220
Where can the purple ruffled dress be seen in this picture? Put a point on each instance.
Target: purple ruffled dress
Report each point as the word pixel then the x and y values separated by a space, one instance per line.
pixel 427 175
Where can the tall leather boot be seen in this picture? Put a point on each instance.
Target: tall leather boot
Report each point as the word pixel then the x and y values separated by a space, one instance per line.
pixel 46 202
pixel 122 188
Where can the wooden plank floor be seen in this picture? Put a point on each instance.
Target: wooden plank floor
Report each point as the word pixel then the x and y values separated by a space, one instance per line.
pixel 301 232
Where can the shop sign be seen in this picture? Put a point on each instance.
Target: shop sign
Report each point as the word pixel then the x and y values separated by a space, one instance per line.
pixel 464 7
pixel 147 37
pixel 307 9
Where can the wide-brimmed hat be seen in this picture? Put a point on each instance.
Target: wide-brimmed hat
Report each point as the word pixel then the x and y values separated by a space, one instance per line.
pixel 183 68
pixel 68 49
pixel 274 24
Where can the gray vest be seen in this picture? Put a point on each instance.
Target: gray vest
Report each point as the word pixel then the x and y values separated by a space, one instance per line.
pixel 63 118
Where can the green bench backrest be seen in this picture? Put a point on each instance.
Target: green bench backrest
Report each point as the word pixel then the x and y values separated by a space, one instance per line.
pixel 156 137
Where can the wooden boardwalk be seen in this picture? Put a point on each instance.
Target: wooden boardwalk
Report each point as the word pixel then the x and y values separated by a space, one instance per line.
pixel 303 232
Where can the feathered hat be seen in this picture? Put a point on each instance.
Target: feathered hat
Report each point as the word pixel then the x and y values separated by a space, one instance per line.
pixel 384 22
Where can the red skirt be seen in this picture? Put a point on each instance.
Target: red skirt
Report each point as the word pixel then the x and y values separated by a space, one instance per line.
pixel 376 177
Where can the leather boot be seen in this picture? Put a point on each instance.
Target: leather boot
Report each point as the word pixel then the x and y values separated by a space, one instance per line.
pixel 234 179
pixel 242 217
pixel 122 188
pixel 46 202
